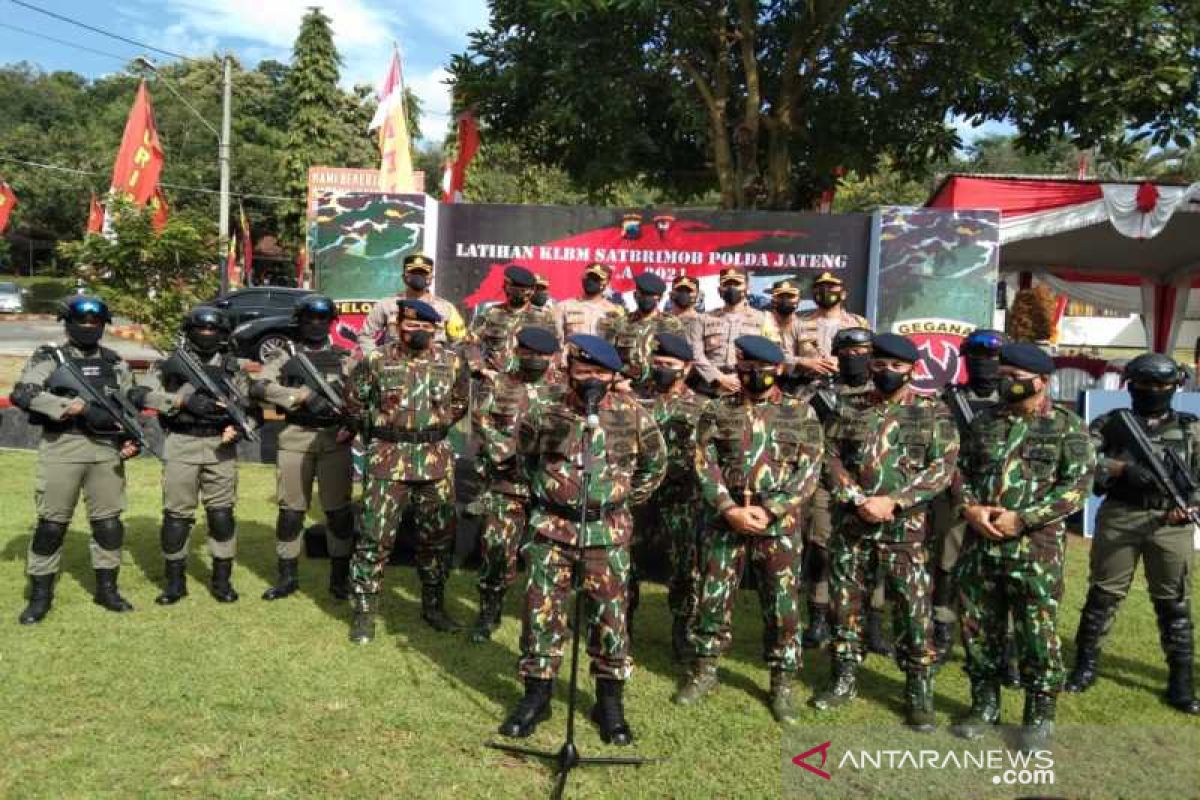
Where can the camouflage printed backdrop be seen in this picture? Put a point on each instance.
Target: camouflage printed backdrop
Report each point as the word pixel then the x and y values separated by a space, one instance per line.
pixel 936 282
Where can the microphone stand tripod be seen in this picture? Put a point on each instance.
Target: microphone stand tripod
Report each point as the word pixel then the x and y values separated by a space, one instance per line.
pixel 567 757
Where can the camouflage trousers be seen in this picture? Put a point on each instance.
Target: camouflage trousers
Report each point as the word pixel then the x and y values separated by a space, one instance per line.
pixel 774 562
pixel 505 521
pixel 990 587
pixel 904 571
pixel 548 596
pixel 384 504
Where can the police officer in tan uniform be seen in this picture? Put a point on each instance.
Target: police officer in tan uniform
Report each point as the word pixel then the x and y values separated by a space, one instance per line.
pixel 815 329
pixel 716 356
pixel 592 314
pixel 385 314
pixel 684 293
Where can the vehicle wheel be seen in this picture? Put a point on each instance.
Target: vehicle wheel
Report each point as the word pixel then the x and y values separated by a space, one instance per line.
pixel 269 345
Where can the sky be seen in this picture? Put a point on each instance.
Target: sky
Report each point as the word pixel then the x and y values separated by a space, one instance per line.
pixel 428 32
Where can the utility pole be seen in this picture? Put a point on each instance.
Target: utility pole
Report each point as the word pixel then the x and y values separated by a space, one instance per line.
pixel 223 145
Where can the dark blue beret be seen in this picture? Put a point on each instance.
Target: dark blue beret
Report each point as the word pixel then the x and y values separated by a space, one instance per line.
pixel 759 348
pixel 519 276
pixel 539 340
pixel 594 350
pixel 650 283
pixel 1027 356
pixel 893 345
pixel 419 310
pixel 673 345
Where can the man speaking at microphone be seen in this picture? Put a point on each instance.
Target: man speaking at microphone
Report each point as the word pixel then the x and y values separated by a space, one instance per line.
pixel 592 427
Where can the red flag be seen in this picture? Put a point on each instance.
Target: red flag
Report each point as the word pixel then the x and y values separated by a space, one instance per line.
pixel 140 159
pixel 301 265
pixel 8 201
pixel 231 269
pixel 95 223
pixel 247 248
pixel 468 146
pixel 158 204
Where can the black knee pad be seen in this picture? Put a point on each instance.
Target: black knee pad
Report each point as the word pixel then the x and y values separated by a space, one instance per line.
pixel 221 525
pixel 48 537
pixel 341 522
pixel 174 533
pixel 288 525
pixel 108 533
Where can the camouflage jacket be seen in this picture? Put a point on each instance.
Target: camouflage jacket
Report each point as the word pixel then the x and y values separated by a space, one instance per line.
pixel 400 395
pixel 1039 466
pixel 629 461
pixel 677 416
pixel 904 448
pixel 1177 431
pixel 493 335
pixel 633 336
pixel 500 406
pixel 765 453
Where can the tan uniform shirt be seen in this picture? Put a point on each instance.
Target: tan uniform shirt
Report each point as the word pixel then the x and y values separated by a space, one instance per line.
pixel 593 317
pixel 384 317
pixel 713 343
pixel 814 332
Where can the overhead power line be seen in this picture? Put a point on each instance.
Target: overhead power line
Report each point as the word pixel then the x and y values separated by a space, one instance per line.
pixel 94 29
pixel 64 42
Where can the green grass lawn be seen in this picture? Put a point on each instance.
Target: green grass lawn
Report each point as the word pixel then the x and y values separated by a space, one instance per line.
pixel 261 699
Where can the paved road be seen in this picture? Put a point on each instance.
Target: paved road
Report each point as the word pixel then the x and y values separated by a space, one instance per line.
pixel 22 337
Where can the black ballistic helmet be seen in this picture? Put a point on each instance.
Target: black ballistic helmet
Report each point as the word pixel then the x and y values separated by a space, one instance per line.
pixel 207 328
pixel 80 307
pixel 852 337
pixel 1153 368
pixel 314 305
pixel 983 342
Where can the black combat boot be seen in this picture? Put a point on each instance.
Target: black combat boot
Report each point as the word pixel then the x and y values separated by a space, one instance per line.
pixel 681 645
pixel 491 601
pixel 1037 722
pixel 609 712
pixel 362 628
pixel 220 587
pixel 783 709
pixel 918 696
pixel 843 689
pixel 984 713
pixel 1094 622
pixel 288 580
pixel 943 641
pixel 702 681
pixel 41 597
pixel 877 641
pixel 1176 633
pixel 532 709
pixel 433 609
pixel 817 632
pixel 174 583
pixel 339 577
pixel 106 591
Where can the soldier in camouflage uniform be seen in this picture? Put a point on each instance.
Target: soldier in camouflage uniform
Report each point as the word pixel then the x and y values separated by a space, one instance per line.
pixel 624 449
pixel 383 321
pixel 80 450
pixel 503 402
pixel 1026 466
pixel 200 454
pixel 411 393
pixel 1138 521
pixel 592 313
pixel 314 443
pixel 493 333
pixel 758 457
pixel 712 341
pixel 669 521
pixel 883 467
pixel 633 335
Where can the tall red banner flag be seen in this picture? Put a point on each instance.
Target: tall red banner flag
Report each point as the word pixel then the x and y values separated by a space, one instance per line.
pixel 468 146
pixel 158 204
pixel 8 201
pixel 95 223
pixel 140 159
pixel 231 265
pixel 247 248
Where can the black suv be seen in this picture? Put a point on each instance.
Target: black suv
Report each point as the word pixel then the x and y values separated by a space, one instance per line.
pixel 262 318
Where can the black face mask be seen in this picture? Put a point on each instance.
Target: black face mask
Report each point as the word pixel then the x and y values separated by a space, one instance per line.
pixel 827 299
pixel 888 381
pixel 756 381
pixel 517 297
pixel 983 374
pixel 1014 390
pixel 84 336
pixel 683 299
pixel 785 309
pixel 206 343
pixel 646 303
pixel 314 331
pixel 664 377
pixel 418 283
pixel 592 285
pixel 590 391
pixel 853 368
pixel 732 295
pixel 1147 403
pixel 532 368
pixel 418 340
pixel 540 298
